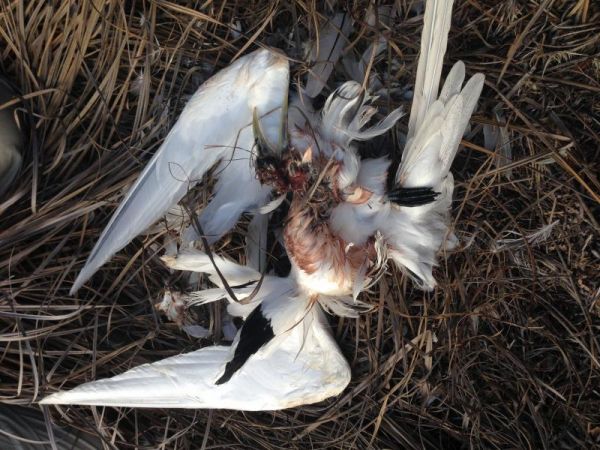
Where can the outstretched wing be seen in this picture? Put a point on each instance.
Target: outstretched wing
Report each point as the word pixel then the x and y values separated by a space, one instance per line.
pixel 283 356
pixel 214 126
pixel 423 184
pixel 301 365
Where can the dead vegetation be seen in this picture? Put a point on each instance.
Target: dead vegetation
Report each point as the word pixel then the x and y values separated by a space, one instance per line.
pixel 504 354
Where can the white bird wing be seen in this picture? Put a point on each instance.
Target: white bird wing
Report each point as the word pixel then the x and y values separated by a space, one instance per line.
pixel 214 126
pixel 428 155
pixel 417 230
pixel 301 366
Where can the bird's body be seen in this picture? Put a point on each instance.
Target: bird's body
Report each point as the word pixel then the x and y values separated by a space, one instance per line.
pixel 323 262
pixel 345 219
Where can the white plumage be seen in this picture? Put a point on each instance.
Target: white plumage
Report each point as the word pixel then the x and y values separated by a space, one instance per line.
pixel 326 50
pixel 274 379
pixel 214 126
pixel 343 224
pixel 300 364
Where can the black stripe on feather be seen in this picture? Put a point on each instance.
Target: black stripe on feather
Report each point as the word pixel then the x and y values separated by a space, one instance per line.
pixel 411 197
pixel 255 333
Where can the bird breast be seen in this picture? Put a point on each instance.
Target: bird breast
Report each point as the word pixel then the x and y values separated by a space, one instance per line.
pixel 322 262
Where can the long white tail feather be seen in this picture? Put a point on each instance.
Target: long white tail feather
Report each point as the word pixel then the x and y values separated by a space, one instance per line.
pixel 208 130
pixel 434 40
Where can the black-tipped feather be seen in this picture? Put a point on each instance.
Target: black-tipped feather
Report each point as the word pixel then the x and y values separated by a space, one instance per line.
pixel 255 333
pixel 410 197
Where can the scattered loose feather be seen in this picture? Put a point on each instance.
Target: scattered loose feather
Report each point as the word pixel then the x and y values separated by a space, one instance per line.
pixel 333 37
pixel 533 238
pixel 496 138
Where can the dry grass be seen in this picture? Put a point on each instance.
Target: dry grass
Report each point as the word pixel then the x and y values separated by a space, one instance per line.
pixel 504 354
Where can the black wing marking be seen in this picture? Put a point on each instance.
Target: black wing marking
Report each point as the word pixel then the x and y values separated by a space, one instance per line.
pixel 411 197
pixel 255 333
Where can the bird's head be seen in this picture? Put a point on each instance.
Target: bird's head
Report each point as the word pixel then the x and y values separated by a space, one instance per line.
pixel 283 167
pixel 285 172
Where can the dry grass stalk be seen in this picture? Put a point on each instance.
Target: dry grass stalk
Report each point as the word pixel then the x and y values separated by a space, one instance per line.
pixel 504 354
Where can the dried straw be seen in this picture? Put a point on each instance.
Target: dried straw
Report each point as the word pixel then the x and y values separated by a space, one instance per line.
pixel 504 354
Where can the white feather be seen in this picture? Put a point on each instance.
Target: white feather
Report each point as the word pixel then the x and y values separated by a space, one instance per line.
pixel 344 306
pixel 212 295
pixel 497 139
pixel 428 156
pixel 332 38
pixel 256 242
pixel 347 111
pixel 373 174
pixel 434 40
pixel 207 131
pixel 302 364
pixel 436 126
pixel 360 280
pixel 197 261
pixel 272 205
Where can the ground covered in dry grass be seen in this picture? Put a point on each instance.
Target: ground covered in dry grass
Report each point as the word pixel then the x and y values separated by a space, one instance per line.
pixel 504 354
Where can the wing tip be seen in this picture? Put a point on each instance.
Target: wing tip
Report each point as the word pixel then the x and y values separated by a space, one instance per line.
pixel 90 267
pixel 51 400
pixel 68 398
pixel 479 80
pixel 79 281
